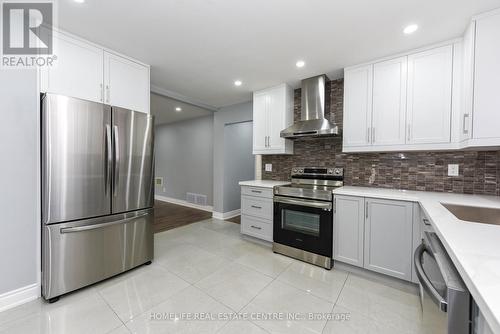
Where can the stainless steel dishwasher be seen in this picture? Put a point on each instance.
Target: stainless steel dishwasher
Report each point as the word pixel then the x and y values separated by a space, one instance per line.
pixel 446 301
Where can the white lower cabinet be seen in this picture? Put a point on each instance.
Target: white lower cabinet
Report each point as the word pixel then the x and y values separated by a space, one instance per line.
pixel 348 229
pixel 388 237
pixel 257 212
pixel 375 234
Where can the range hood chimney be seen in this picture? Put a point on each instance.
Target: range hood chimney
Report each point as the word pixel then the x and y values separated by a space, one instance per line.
pixel 312 119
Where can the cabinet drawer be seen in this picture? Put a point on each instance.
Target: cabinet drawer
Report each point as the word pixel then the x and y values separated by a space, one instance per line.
pixel 256 227
pixel 258 207
pixel 257 192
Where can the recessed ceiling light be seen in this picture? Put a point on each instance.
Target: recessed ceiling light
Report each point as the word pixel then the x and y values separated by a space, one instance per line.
pixel 178 109
pixel 410 29
pixel 300 63
pixel 238 83
pixel 79 1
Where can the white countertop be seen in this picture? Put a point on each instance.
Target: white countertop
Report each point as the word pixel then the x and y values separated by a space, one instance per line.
pixel 263 183
pixel 474 248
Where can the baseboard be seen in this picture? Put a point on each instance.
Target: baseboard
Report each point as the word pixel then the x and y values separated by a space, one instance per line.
pixel 183 203
pixel 226 215
pixel 19 296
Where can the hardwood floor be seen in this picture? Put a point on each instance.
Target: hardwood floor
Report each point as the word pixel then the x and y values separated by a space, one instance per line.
pixel 169 216
pixel 236 220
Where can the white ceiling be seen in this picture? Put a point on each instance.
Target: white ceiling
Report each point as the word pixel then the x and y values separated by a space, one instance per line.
pixel 163 108
pixel 197 48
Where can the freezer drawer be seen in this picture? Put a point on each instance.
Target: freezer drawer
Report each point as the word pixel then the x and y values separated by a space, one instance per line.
pixel 84 252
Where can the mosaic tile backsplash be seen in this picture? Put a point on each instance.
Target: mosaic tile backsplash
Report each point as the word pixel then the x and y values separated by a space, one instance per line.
pixel 427 171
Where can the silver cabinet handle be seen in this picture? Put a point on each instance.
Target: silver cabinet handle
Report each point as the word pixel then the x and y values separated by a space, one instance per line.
pixel 368 135
pixel 334 205
pixel 97 226
pixel 100 92
pixel 409 132
pixel 256 207
pixel 256 227
pixel 426 221
pixel 366 209
pixel 268 141
pixel 373 135
pixel 424 280
pixel 117 160
pixel 108 93
pixel 109 160
pixel 465 130
pixel 257 191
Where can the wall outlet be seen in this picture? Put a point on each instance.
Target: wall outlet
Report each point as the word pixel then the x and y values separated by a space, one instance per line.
pixel 269 167
pixel 453 170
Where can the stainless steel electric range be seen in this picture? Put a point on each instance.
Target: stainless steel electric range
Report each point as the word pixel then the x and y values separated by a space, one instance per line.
pixel 303 215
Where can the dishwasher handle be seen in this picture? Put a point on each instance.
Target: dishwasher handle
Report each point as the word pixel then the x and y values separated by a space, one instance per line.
pixel 425 282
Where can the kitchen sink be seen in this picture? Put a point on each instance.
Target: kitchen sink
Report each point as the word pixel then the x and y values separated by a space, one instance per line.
pixel 474 214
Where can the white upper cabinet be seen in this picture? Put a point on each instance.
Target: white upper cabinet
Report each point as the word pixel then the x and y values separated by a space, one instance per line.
pixel 358 106
pixel 126 83
pixel 86 71
pixel 430 75
pixel 389 102
pixel 486 114
pixel 272 112
pixel 467 83
pixel 77 72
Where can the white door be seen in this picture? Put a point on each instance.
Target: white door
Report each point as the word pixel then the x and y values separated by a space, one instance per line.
pixel 348 229
pixel 77 72
pixel 357 106
pixel 388 237
pixel 126 83
pixel 487 78
pixel 260 122
pixel 429 96
pixel 276 116
pixel 389 102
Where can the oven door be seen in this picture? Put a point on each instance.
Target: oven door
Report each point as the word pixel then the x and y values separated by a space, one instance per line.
pixel 304 224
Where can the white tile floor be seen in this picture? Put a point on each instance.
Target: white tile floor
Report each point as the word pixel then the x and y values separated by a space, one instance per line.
pixel 208 270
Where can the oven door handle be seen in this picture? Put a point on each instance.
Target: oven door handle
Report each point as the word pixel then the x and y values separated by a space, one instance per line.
pixel 425 282
pixel 304 202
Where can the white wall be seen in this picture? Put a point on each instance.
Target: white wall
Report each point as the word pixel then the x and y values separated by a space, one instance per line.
pixel 184 158
pixel 232 114
pixel 19 182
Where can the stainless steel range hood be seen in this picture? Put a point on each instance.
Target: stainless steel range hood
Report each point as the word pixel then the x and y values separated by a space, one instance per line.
pixel 312 120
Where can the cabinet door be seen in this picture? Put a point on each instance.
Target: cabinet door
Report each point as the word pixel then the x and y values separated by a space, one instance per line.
pixel 429 96
pixel 357 106
pixel 348 229
pixel 126 83
pixel 388 237
pixel 260 122
pixel 276 117
pixel 77 72
pixel 468 83
pixel 486 122
pixel 389 102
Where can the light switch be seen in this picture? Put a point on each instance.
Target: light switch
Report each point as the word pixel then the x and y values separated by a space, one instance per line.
pixel 269 167
pixel 453 170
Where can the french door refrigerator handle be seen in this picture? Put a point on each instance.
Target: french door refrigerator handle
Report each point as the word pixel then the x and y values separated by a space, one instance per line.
pixel 425 281
pixel 98 226
pixel 117 160
pixel 109 159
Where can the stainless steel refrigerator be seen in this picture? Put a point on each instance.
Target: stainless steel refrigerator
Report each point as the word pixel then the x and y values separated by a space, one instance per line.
pixel 97 192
